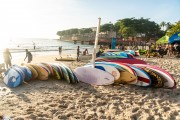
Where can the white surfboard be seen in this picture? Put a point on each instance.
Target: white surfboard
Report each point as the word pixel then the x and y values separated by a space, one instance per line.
pixel 93 76
pixel 108 68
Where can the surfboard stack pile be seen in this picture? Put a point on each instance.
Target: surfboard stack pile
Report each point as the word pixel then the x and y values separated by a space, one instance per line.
pixel 15 75
pixel 121 54
pixel 136 74
pixel 120 57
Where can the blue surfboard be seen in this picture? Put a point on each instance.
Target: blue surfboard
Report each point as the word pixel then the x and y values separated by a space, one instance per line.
pixel 13 78
pixel 18 69
pixel 27 72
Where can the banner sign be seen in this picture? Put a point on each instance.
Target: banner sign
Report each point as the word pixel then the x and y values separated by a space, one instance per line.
pixel 113 43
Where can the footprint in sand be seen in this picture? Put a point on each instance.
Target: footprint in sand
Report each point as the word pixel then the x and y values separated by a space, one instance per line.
pixel 30 110
pixel 135 109
pixel 52 105
pixel 61 117
pixel 101 103
pixel 71 106
pixel 135 116
pixel 31 116
pixel 63 106
pixel 166 109
pixel 100 110
pixel 89 105
pixel 150 117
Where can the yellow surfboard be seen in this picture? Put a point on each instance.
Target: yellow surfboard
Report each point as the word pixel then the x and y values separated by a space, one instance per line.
pixel 42 73
pixel 125 77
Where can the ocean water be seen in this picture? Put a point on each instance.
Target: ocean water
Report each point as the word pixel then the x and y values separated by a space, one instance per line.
pixel 43 47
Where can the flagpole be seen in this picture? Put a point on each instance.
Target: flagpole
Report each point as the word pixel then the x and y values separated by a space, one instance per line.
pixel 96 42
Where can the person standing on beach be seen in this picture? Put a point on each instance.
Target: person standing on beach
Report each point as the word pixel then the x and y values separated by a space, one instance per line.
pixel 34 45
pixel 60 50
pixel 78 52
pixel 7 58
pixel 29 56
pixel 148 51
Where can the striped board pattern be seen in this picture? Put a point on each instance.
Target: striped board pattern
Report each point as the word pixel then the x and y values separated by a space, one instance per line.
pixel 169 81
pixel 108 68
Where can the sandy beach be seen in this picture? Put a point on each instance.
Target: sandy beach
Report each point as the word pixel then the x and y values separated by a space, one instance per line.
pixel 55 99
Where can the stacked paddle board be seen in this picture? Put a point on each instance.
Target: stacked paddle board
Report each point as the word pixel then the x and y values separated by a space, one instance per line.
pixel 16 75
pixel 136 74
pixel 104 73
pixel 120 59
pixel 126 56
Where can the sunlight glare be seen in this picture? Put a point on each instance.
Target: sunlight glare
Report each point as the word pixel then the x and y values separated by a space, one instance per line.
pixel 4 43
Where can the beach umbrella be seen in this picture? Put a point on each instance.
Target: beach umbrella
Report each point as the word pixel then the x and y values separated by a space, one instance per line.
pixel 174 38
pixel 163 40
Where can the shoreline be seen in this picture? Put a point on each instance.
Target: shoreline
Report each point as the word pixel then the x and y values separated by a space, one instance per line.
pixel 55 99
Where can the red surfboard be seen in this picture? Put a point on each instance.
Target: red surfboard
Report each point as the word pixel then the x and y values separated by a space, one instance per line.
pixel 127 60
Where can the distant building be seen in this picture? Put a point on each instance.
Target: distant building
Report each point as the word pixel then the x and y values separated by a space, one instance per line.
pixel 94 29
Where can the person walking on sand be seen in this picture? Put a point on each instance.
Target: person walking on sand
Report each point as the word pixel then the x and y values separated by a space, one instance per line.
pixel 60 50
pixel 7 58
pixel 29 56
pixel 78 52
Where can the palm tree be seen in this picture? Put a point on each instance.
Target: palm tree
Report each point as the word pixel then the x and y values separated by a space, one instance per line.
pixel 162 24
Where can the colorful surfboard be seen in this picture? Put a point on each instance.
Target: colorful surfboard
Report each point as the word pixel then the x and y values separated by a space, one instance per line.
pixel 143 78
pixel 169 81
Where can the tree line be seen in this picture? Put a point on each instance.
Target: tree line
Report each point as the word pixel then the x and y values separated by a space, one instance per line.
pixel 130 27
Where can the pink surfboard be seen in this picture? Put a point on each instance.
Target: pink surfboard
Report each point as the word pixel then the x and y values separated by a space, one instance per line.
pixel 93 76
pixel 127 60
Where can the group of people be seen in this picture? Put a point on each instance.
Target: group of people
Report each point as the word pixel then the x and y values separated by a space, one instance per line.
pixel 85 52
pixel 8 57
pixel 167 49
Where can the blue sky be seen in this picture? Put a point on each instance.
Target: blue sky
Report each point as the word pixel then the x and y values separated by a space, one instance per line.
pixel 43 18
